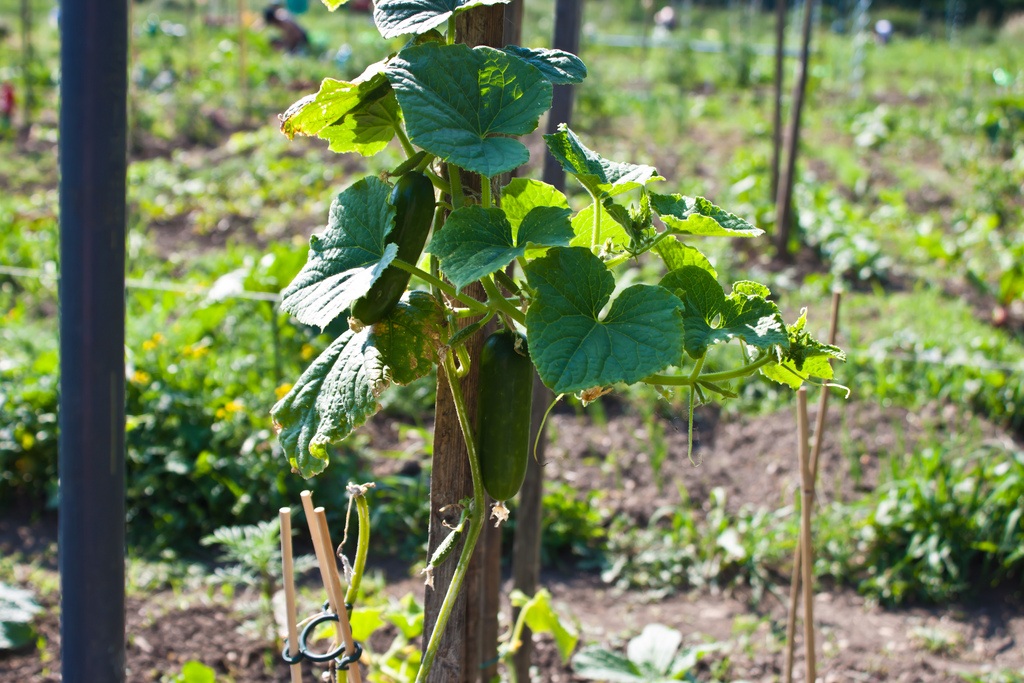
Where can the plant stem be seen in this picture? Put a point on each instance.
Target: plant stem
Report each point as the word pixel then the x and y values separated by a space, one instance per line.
pixel 697 367
pixel 439 182
pixel 476 523
pixel 362 548
pixel 404 139
pixel 477 306
pixel 455 180
pixel 595 238
pixel 679 381
pixel 450 35
pixel 622 258
pixel 496 300
pixel 486 200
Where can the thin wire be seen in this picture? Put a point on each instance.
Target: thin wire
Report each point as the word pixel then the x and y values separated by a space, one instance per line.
pixel 153 285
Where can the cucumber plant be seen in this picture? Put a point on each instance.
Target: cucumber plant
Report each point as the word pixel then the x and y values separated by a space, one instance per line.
pixel 458 111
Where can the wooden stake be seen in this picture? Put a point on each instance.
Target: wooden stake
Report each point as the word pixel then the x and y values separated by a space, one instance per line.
pixel 784 198
pixel 288 576
pixel 325 560
pixel 794 603
pixel 819 426
pixel 806 510
pixel 780 45
pixel 332 569
pixel 819 439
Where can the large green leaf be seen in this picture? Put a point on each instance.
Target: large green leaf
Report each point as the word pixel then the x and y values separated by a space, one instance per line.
pixel 399 17
pixel 710 317
pixel 612 231
pixel 558 66
pixel 340 390
pixel 460 103
pixel 597 174
pixel 367 130
pixel 347 258
pixel 475 242
pixel 698 216
pixel 360 116
pixel 523 197
pixel 573 347
pixel 675 254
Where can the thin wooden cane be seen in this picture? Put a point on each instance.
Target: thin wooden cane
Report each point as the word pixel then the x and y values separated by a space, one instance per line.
pixel 819 426
pixel 819 439
pixel 342 611
pixel 806 511
pixel 288 577
pixel 323 560
pixel 794 603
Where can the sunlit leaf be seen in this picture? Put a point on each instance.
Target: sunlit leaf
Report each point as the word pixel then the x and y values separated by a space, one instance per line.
pixel 710 317
pixel 399 17
pixel 347 258
pixel 342 387
pixel 595 172
pixel 698 216
pixel 461 103
pixel 574 346
pixel 558 66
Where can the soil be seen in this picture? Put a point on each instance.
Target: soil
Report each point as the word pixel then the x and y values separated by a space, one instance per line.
pixel 750 458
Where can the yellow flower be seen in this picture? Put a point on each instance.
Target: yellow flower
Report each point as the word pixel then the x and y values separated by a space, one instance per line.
pixel 152 342
pixel 195 350
pixel 307 351
pixel 140 377
pixel 231 407
pixel 282 390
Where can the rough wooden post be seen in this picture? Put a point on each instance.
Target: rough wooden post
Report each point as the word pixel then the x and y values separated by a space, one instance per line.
pixel 490 599
pixel 459 655
pixel 526 553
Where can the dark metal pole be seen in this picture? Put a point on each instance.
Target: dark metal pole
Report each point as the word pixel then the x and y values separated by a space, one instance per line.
pixel 94 85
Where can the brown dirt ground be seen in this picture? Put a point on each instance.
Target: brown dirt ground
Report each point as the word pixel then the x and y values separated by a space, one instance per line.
pixel 751 458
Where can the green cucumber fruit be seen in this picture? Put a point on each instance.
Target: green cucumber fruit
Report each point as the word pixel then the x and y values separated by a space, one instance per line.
pixel 413 199
pixel 503 413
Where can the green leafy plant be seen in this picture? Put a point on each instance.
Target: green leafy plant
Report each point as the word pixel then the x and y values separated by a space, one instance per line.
pixel 537 614
pixel 946 523
pixel 252 555
pixel 651 657
pixel 682 547
pixel 458 110
pixel 195 672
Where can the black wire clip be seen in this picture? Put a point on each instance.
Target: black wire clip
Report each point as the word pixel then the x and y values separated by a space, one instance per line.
pixel 342 660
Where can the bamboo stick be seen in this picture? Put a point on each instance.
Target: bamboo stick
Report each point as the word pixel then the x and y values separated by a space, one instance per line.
pixel 332 570
pixel 819 438
pixel 325 560
pixel 794 603
pixel 288 576
pixel 806 510
pixel 819 426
